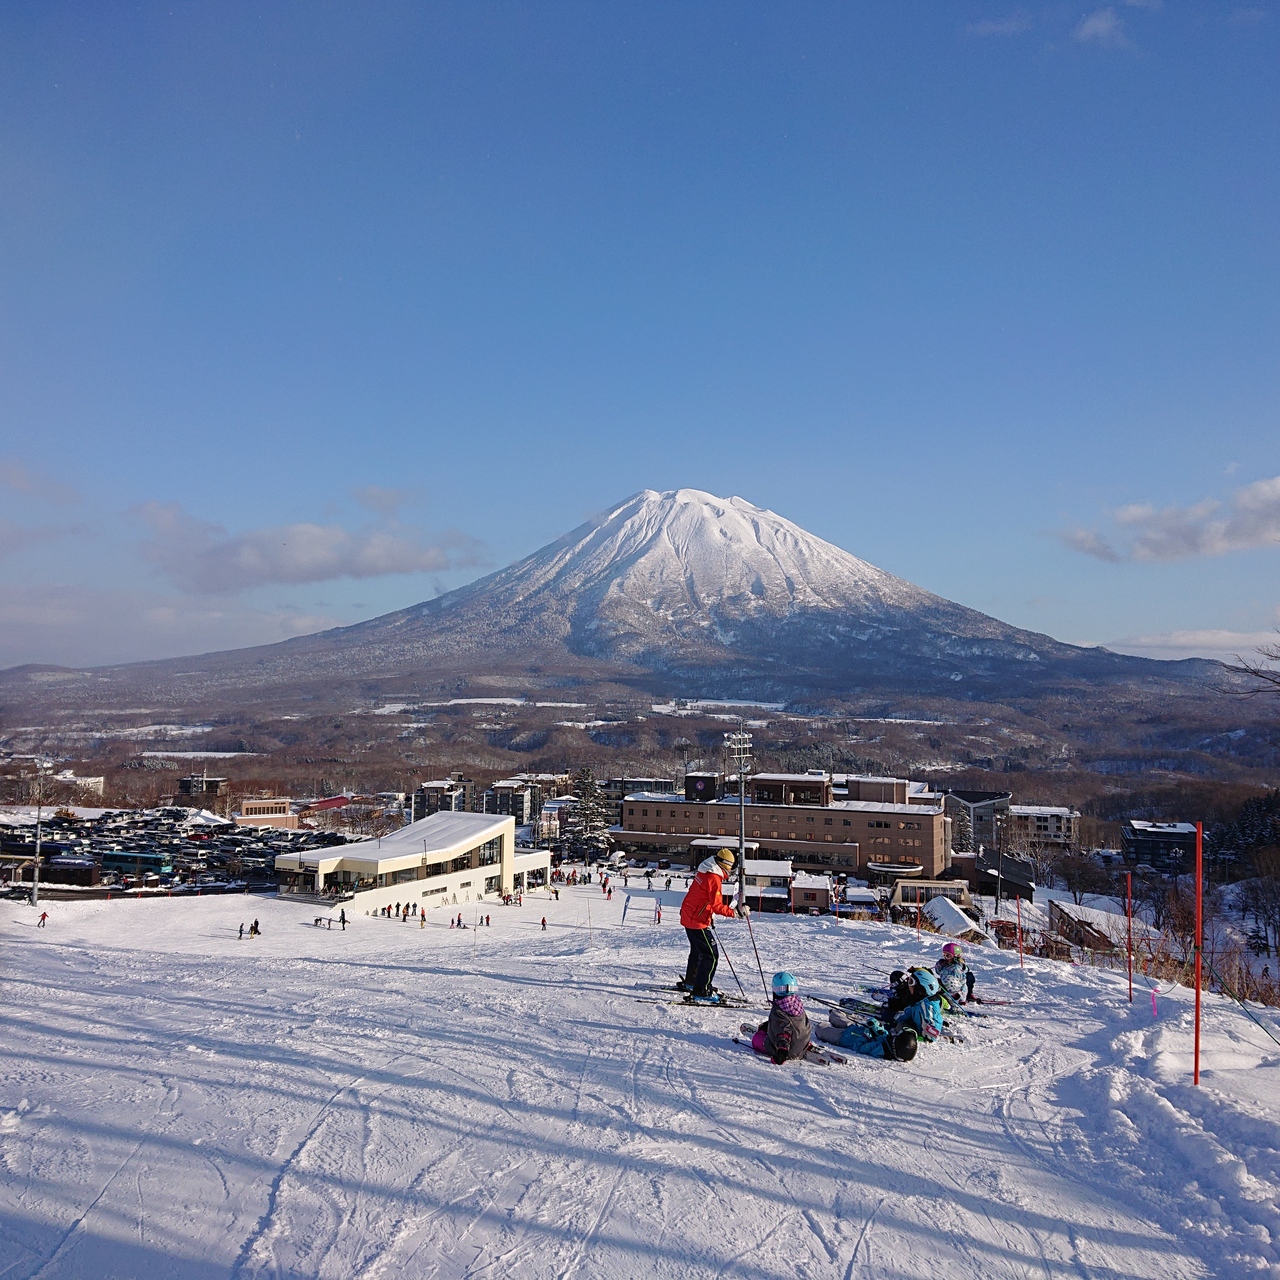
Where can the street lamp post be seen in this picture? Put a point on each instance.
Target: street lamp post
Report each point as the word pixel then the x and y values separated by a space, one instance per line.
pixel 35 874
pixel 738 746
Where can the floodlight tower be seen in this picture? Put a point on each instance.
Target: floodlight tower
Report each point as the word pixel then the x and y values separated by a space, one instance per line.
pixel 35 874
pixel 738 749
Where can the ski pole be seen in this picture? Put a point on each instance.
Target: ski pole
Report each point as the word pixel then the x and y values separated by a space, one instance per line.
pixel 756 949
pixel 732 970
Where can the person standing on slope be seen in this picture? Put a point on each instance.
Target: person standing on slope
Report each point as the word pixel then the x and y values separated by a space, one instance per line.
pixel 703 902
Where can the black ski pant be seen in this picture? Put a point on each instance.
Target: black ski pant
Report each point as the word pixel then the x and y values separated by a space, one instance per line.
pixel 704 955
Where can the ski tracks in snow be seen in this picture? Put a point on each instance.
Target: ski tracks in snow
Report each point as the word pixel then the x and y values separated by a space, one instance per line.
pixel 278 1117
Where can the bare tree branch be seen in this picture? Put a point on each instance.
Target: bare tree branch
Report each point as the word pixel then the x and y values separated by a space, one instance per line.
pixel 1263 671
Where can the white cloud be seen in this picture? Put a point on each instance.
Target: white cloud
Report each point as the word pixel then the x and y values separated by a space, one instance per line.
pixel 1014 24
pixel 1102 27
pixel 1221 644
pixel 1088 542
pixel 80 626
pixel 204 559
pixel 1248 519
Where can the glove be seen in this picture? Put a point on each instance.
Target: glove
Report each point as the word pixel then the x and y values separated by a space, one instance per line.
pixel 743 911
pixel 779 1057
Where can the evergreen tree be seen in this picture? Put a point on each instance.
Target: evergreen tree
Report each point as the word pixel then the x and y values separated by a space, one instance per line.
pixel 587 834
pixel 961 831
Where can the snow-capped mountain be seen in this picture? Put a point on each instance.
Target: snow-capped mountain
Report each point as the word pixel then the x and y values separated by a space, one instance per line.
pixel 678 592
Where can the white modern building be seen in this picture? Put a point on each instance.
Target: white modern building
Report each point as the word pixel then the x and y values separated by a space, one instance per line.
pixel 442 860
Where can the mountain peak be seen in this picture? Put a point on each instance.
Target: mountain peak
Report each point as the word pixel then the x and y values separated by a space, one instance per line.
pixel 687 549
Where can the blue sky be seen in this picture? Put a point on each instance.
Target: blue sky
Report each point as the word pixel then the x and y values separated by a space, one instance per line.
pixel 311 311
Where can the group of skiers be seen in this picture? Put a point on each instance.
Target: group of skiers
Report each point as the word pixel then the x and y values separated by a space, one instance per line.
pixel 254 931
pixel 890 1023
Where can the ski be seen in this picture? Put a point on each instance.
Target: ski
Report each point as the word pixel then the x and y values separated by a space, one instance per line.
pixel 690 1004
pixel 820 1057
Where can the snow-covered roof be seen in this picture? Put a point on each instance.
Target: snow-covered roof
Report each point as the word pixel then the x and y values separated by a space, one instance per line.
pixel 766 867
pixel 1042 811
pixel 806 880
pixel 1113 924
pixel 1164 828
pixel 950 920
pixel 860 895
pixel 837 806
pixel 790 777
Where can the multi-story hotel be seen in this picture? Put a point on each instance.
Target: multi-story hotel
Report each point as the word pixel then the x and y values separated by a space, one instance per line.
pixel 795 816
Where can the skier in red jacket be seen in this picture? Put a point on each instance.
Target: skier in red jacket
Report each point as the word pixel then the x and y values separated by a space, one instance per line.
pixel 703 902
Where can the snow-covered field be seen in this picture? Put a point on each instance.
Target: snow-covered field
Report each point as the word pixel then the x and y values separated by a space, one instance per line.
pixel 403 1102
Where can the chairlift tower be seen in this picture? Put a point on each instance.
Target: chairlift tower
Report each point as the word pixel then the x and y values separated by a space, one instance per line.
pixel 738 749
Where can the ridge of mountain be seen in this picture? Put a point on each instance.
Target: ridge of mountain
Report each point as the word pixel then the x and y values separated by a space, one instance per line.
pixel 666 591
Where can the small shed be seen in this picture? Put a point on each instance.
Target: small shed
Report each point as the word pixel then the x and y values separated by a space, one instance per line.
pixel 810 893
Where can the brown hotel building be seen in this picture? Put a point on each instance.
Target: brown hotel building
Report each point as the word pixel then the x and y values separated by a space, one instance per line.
pixel 794 816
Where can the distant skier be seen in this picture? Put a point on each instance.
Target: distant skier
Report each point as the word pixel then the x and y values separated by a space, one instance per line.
pixel 657 913
pixel 787 1034
pixel 486 922
pixel 956 977
pixel 544 924
pixel 241 930
pixel 342 919
pixel 703 902
pixel 44 915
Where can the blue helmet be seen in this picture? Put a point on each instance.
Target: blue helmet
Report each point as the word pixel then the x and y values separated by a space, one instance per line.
pixel 785 984
pixel 926 981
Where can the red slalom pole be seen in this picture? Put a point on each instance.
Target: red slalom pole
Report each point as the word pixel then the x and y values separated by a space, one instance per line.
pixel 1017 901
pixel 1128 911
pixel 1195 1073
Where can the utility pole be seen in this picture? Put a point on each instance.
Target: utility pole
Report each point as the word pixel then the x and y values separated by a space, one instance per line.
pixel 35 874
pixel 738 747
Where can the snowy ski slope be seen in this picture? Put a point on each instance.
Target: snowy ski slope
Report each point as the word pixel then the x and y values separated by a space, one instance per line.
pixel 406 1102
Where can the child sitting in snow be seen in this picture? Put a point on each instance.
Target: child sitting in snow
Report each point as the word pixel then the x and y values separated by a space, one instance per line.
pixel 916 1002
pixel 868 1036
pixel 787 1034
pixel 956 977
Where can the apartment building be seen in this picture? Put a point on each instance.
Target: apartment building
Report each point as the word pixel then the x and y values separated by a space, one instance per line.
pixel 1032 826
pixel 454 794
pixel 987 812
pixel 271 811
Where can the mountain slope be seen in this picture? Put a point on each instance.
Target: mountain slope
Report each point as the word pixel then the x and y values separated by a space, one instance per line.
pixel 677 592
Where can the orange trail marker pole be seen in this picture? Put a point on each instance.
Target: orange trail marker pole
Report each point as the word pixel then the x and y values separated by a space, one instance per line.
pixel 1195 1072
pixel 1128 911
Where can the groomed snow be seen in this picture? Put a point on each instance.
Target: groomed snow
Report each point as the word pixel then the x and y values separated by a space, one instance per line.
pixel 404 1102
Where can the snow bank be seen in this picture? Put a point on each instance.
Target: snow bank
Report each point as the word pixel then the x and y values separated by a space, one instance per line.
pixel 404 1101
